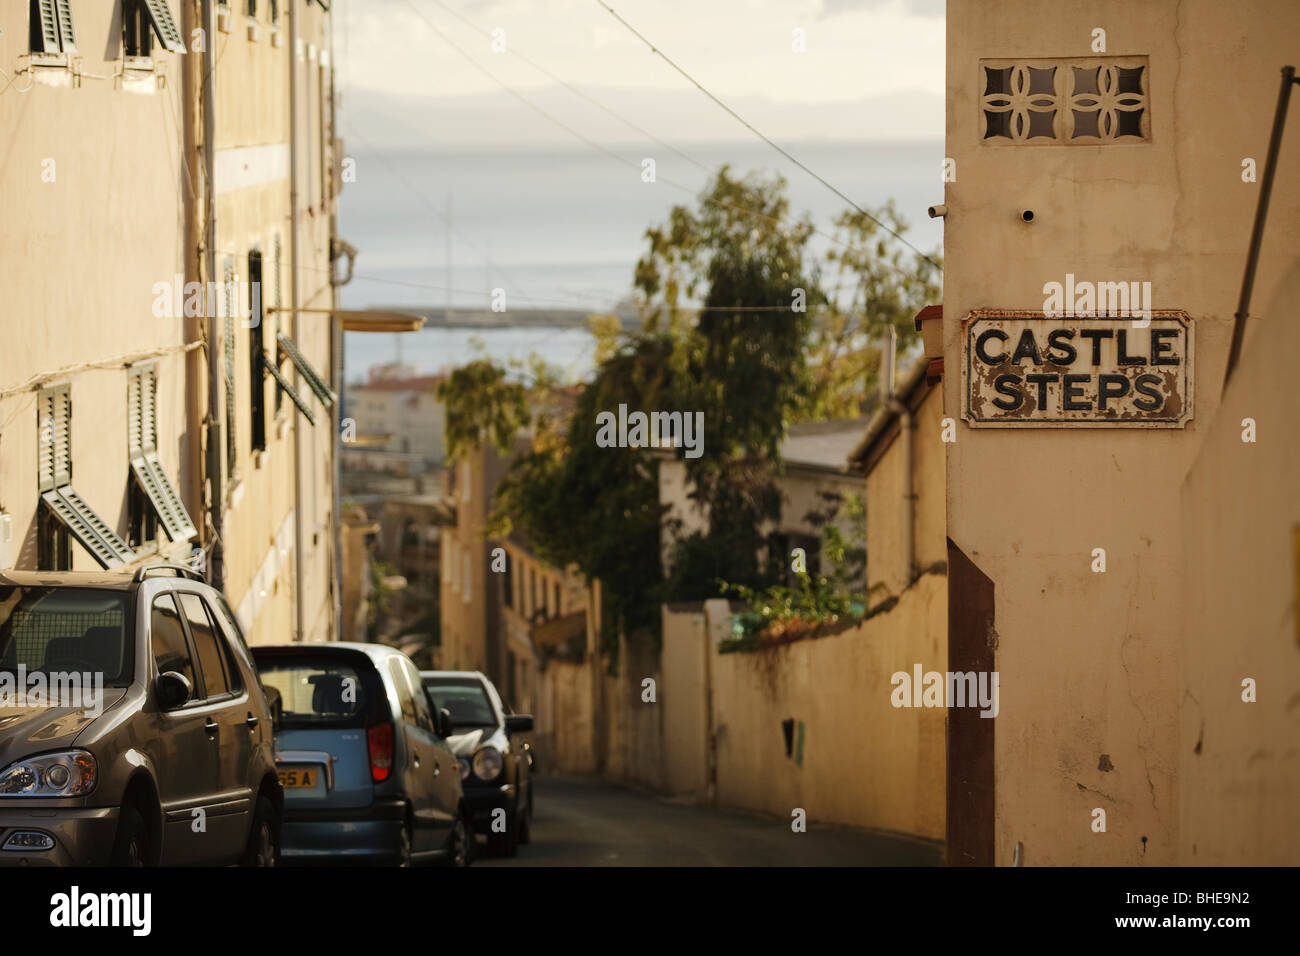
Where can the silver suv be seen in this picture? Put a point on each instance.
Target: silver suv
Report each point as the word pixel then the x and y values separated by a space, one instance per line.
pixel 133 727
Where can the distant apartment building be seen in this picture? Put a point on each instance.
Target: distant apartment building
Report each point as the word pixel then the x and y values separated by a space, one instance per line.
pixel 1094 552
pixel 399 423
pixel 815 487
pixel 169 203
pixel 502 607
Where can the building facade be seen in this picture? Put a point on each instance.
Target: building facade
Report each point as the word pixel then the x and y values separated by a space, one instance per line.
pixel 165 217
pixel 1108 146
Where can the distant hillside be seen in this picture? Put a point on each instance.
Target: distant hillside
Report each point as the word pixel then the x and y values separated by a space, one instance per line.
pixel 438 316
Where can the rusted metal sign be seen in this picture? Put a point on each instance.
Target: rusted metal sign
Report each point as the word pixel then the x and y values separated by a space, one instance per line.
pixel 1024 368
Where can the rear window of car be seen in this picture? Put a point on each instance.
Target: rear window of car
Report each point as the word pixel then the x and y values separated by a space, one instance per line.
pixel 63 630
pixel 322 693
pixel 465 698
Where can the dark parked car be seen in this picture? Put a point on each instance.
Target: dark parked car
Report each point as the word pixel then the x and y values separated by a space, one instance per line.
pixel 169 761
pixel 368 774
pixel 495 762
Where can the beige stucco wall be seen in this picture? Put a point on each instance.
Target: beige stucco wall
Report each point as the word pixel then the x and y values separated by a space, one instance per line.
pixel 865 762
pixel 1090 662
pixel 886 575
pixel 683 695
pixel 252 87
pixel 1239 761
pixel 565 719
pixel 634 732
pixel 79 257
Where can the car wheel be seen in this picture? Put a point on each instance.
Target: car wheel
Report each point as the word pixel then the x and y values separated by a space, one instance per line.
pixel 263 848
pixel 404 845
pixel 131 846
pixel 460 850
pixel 505 844
pixel 526 821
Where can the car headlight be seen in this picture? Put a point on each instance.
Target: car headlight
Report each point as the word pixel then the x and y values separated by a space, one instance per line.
pixel 69 773
pixel 487 763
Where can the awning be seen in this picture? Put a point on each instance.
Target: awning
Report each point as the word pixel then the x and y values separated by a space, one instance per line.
pixel 367 320
pixel 314 381
pixel 559 630
pixel 91 531
pixel 166 503
pixel 288 389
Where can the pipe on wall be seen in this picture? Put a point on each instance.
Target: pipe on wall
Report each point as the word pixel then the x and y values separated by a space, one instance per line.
pixel 294 303
pixel 216 561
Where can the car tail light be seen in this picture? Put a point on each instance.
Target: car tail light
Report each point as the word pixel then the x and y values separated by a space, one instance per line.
pixel 380 740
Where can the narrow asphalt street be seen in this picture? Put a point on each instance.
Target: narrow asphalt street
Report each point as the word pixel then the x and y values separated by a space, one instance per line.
pixel 585 821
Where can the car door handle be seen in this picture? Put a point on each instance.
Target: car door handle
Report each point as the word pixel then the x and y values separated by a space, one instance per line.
pixel 210 726
pixel 437 769
pixel 252 722
pixel 416 760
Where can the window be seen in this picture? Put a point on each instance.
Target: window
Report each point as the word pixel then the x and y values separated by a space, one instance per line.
pixel 256 390
pixel 59 499
pixel 468 574
pixel 153 499
pixel 423 714
pixel 212 663
pixel 228 355
pixel 141 519
pixel 405 696
pixel 277 288
pixel 508 583
pixel 53 545
pixel 252 9
pixel 167 637
pixel 53 629
pixel 1085 101
pixel 142 21
pixel 322 693
pixel 50 27
pixel 465 698
pixel 555 611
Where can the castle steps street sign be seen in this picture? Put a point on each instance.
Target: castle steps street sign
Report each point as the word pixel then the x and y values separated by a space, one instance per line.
pixel 1025 369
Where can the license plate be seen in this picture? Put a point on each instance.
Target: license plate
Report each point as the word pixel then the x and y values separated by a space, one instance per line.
pixel 297 779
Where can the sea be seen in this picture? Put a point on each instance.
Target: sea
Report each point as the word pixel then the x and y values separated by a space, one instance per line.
pixel 562 228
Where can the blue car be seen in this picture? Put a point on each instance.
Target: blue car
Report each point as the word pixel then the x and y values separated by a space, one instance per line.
pixel 367 773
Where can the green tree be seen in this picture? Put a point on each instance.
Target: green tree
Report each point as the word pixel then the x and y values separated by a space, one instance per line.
pixel 482 405
pixel 873 281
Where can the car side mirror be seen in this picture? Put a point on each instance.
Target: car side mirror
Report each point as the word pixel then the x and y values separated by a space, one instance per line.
pixel 519 723
pixel 172 690
pixel 275 703
pixel 444 723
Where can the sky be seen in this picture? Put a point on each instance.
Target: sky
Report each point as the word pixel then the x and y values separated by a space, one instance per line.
pixel 871 69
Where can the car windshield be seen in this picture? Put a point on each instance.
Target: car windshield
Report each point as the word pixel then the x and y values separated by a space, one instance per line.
pixel 466 699
pixel 316 693
pixel 64 632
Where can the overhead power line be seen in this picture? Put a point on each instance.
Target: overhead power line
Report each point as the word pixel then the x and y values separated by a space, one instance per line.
pixel 749 126
pixel 575 91
pixel 633 165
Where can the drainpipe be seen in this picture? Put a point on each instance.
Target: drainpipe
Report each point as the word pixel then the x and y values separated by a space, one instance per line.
pixel 1261 214
pixel 336 349
pixel 216 563
pixel 294 302
pixel 906 428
